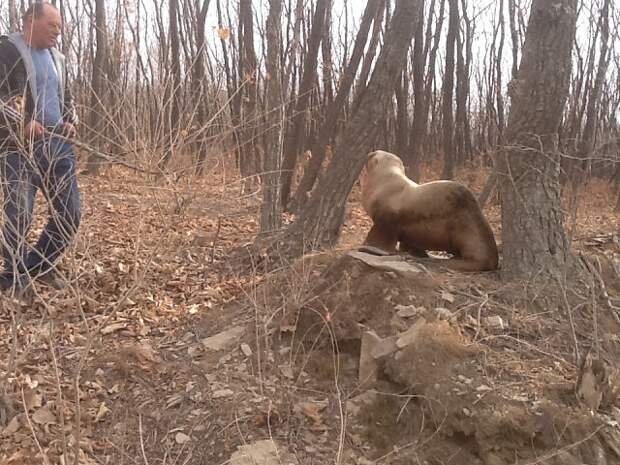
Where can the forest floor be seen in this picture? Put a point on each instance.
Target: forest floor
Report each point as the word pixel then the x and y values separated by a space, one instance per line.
pixel 122 366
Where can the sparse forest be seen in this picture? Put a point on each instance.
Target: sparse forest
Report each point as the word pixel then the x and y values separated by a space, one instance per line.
pixel 218 311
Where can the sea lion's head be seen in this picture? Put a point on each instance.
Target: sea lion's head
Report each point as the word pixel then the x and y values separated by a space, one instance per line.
pixel 382 160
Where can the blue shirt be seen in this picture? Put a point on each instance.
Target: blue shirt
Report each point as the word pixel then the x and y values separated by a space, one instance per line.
pixel 47 107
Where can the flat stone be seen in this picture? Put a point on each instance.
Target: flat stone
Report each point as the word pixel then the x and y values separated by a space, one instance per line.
pixel 394 263
pixel 264 452
pixel 224 340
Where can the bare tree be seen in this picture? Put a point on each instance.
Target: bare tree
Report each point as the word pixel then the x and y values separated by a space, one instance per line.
pixel 100 65
pixel 448 92
pixel 534 240
pixel 271 209
pixel 319 223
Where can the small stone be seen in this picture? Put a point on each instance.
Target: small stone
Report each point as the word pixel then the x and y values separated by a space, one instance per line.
pixel 222 393
pixel 483 388
pixel 467 412
pixel 409 311
pixel 246 349
pixel 224 339
pixel 443 313
pixel 182 438
pixel 494 322
pixel 99 373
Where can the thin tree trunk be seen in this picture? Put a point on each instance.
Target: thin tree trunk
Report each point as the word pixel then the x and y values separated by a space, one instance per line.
pixel 97 112
pixel 534 240
pixel 248 163
pixel 411 158
pixel 448 92
pixel 270 218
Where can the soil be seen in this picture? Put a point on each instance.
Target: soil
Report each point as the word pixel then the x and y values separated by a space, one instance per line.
pixel 490 378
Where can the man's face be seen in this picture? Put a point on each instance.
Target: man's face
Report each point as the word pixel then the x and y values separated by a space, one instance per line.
pixel 44 30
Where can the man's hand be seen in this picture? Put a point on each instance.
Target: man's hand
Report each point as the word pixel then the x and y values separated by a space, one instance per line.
pixel 69 130
pixel 35 130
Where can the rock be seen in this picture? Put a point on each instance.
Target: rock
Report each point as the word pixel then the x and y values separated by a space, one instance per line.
pixel 246 349
pixel 355 405
pixel 409 311
pixel 368 366
pixel 264 452
pixel 385 348
pixel 408 337
pixel 222 393
pixel 182 438
pixel 387 263
pixel 443 313
pixel 369 249
pixel 494 322
pixel 224 340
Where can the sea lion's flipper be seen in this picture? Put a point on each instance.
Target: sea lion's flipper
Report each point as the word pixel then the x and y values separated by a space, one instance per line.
pixel 383 238
pixel 411 249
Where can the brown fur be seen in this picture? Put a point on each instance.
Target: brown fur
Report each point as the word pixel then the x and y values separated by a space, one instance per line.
pixel 439 215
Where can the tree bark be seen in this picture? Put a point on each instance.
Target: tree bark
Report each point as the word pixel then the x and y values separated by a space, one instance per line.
pixel 534 240
pixel 248 162
pixel 448 92
pixel 319 224
pixel 411 158
pixel 270 218
pixel 97 110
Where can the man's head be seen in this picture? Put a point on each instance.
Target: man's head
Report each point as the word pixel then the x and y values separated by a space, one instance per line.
pixel 42 25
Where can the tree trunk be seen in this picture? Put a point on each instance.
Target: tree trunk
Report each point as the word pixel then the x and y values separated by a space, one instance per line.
pixel 248 163
pixel 448 92
pixel 320 222
pixel 270 218
pixel 328 128
pixel 172 99
pixel 534 240
pixel 411 158
pixel 294 141
pixel 98 115
pixel 13 17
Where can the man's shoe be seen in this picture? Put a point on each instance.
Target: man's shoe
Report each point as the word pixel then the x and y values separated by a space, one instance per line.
pixel 53 279
pixel 17 287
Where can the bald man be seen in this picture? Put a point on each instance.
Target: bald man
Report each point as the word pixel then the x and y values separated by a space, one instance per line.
pixel 35 107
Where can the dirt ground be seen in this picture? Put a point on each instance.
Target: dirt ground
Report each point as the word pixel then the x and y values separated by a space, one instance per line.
pixel 120 368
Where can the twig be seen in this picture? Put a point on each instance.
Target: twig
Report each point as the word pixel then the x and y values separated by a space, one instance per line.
pixel 146 461
pixel 217 235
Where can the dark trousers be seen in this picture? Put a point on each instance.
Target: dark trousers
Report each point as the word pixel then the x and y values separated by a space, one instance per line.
pixel 51 169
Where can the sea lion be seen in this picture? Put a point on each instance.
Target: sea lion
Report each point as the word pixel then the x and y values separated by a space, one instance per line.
pixel 438 215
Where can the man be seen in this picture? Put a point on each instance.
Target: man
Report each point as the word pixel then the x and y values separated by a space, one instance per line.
pixel 35 107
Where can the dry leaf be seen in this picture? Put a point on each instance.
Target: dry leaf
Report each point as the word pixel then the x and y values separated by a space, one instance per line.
pixel 33 399
pixel 113 327
pixel 12 427
pixel 44 416
pixel 223 33
pixel 103 411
